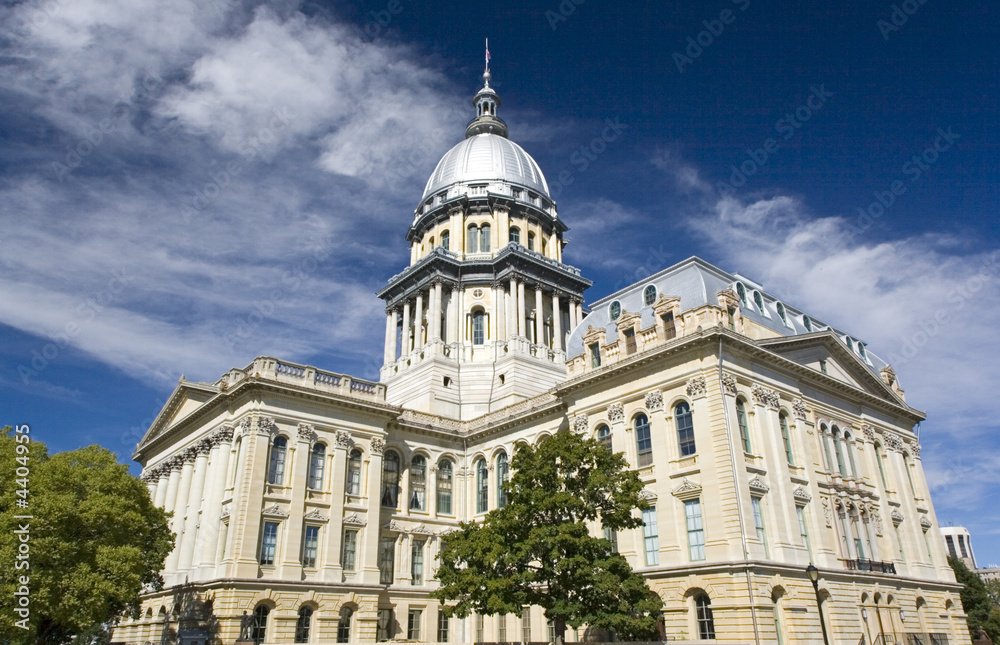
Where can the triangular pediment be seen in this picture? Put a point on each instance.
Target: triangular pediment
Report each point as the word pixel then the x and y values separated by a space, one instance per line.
pixel 185 399
pixel 826 353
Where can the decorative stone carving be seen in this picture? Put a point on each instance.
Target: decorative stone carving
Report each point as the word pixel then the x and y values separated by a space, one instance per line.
pixel 925 523
pixel 244 427
pixel 686 488
pixel 897 517
pixel 914 448
pixel 315 516
pixel 654 401
pixel 377 445
pixel 616 413
pixel 307 432
pixel 877 518
pixel 729 384
pixel 342 439
pixel 392 526
pixel 225 512
pixel 353 520
pixel 580 424
pixel 422 530
pixel 274 511
pixel 869 432
pixel 266 426
pixel 696 386
pixel 222 435
pixel 802 494
pixel 758 484
pixel 893 442
pixel 647 495
pixel 799 408
pixel 827 513
pixel 765 396
pixel 203 447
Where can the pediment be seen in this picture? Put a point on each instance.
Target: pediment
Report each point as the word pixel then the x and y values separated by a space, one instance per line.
pixel 185 399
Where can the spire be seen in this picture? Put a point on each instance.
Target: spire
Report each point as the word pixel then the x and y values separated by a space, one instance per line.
pixel 486 102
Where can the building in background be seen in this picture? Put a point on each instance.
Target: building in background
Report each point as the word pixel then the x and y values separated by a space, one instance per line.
pixel 315 503
pixel 959 544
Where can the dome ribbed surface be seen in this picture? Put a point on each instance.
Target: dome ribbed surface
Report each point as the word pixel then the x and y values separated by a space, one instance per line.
pixel 485 158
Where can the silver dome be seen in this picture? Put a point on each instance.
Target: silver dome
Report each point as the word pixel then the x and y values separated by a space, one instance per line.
pixel 486 158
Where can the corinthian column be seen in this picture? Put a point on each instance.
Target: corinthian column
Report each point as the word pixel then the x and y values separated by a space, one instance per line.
pixel 218 469
pixel 179 507
pixel 194 506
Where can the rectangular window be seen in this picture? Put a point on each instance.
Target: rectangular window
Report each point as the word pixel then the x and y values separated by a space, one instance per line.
pixel 695 529
pixel 269 543
pixel 309 546
pixel 961 546
pixel 386 554
pixel 595 355
pixel 502 628
pixel 630 347
pixel 612 537
pixel 651 538
pixel 443 625
pixel 413 624
pixel 417 563
pixel 668 326
pixel 758 521
pixel 479 628
pixel 350 550
pixel 383 627
pixel 950 541
pixel 526 625
pixel 800 513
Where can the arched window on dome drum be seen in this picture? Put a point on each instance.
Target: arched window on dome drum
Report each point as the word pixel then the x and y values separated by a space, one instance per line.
pixel 515 235
pixel 531 241
pixel 604 435
pixel 643 442
pixel 390 479
pixel 741 421
pixel 354 473
pixel 502 472
pixel 276 473
pixel 317 459
pixel 785 438
pixel 444 487
pixel 445 240
pixel 478 327
pixel 473 239
pixel 302 625
pixel 484 238
pixel 685 429
pixel 418 483
pixel 482 487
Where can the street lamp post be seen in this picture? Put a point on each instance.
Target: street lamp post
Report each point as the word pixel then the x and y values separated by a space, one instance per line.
pixel 813 573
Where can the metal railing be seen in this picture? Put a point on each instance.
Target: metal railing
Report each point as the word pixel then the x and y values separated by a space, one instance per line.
pixel 874 566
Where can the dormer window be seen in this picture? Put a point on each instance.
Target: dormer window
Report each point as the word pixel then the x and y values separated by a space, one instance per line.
pixel 649 295
pixel 615 310
pixel 758 300
pixel 781 312
pixel 861 350
pixel 741 291
pixel 807 323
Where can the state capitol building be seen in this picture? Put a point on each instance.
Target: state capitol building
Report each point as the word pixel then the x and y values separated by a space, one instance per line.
pixel 314 503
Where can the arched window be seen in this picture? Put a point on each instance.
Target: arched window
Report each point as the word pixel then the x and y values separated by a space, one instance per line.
pixel 484 238
pixel 482 487
pixel 685 429
pixel 615 310
pixel 849 447
pixel 741 420
pixel 502 472
pixel 515 235
pixel 302 625
pixel 807 323
pixel 531 241
pixel 259 629
pixel 703 615
pixel 444 487
pixel 643 443
pixel 418 483
pixel 785 438
pixel 649 295
pixel 909 473
pixel 759 301
pixel 741 291
pixel 316 462
pixel 824 437
pixel 445 244
pixel 841 466
pixel 390 479
pixel 354 473
pixel 473 239
pixel 276 473
pixel 781 313
pixel 478 327
pixel 881 466
pixel 604 435
pixel 344 625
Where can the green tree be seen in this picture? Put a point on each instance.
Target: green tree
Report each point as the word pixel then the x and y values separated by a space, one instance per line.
pixel 978 604
pixel 538 549
pixel 94 540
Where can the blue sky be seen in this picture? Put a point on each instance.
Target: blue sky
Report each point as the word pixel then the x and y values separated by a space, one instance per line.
pixel 188 185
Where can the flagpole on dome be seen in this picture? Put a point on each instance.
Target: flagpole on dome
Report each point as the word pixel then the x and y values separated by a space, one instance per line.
pixel 486 74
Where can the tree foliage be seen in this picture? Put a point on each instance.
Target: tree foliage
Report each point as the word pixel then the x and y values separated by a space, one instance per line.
pixel 539 548
pixel 978 603
pixel 95 540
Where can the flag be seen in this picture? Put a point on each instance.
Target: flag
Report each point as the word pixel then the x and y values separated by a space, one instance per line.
pixel 487 51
